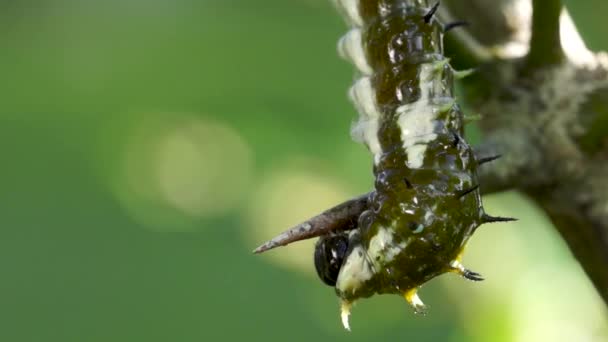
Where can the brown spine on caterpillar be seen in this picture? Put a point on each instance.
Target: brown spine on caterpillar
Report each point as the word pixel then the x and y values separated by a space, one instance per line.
pixel 426 203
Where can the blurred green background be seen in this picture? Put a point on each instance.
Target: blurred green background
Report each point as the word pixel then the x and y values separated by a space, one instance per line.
pixel 148 146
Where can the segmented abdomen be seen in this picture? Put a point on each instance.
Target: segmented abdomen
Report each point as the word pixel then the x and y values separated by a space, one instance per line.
pixel 419 219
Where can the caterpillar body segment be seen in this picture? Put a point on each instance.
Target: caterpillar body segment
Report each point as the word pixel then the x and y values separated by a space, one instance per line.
pixel 426 203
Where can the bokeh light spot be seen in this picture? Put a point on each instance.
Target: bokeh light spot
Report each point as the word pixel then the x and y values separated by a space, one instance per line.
pixel 174 169
pixel 203 168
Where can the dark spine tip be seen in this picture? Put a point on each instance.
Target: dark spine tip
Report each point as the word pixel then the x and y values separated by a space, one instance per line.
pixel 485 218
pixel 454 25
pixel 456 140
pixel 482 161
pixel 431 13
pixel 467 191
pixel 474 276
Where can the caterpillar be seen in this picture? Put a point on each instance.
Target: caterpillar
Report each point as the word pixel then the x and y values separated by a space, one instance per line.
pixel 426 202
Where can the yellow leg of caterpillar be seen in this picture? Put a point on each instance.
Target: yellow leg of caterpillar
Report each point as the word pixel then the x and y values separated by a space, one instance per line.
pixel 458 268
pixel 411 296
pixel 344 313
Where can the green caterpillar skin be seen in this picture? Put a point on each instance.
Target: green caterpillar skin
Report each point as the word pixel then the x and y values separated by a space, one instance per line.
pixel 425 205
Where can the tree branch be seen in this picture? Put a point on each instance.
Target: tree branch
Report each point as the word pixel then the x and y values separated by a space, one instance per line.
pixel 548 117
pixel 583 220
pixel 465 51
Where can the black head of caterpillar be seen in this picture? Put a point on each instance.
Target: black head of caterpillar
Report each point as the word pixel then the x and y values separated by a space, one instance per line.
pixel 330 251
pixel 426 203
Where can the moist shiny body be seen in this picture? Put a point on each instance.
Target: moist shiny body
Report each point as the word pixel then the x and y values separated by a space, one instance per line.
pixel 420 218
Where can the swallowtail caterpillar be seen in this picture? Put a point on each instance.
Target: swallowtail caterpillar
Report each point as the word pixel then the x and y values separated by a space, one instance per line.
pixel 426 203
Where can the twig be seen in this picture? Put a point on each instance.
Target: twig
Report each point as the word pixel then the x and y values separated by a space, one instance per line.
pixel 545 45
pixel 464 49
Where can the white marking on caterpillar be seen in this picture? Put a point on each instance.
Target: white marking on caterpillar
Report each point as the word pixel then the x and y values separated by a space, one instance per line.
pixel 362 93
pixel 350 47
pixel 363 96
pixel 384 246
pixel 355 271
pixel 350 9
pixel 415 156
pixel 417 120
pixel 358 268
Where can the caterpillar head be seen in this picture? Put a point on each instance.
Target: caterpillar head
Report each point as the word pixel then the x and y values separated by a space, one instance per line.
pixel 330 252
